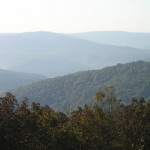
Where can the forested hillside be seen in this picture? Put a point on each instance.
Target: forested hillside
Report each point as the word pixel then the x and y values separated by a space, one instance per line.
pixel 10 79
pixel 129 80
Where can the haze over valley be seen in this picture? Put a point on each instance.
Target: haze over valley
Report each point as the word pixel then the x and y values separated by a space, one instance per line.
pixel 54 54
pixel 41 55
pixel 119 38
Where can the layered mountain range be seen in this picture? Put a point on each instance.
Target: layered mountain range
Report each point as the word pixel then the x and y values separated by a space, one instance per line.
pixel 54 54
pixel 118 38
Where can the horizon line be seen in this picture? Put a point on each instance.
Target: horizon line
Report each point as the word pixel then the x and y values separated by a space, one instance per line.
pixel 21 32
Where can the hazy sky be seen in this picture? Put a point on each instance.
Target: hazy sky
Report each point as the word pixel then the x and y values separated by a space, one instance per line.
pixel 74 15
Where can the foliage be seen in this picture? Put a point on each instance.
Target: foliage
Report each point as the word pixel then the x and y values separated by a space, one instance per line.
pixel 24 126
pixel 129 80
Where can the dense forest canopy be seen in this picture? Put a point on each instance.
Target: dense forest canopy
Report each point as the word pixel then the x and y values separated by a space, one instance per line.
pixel 107 125
pixel 129 80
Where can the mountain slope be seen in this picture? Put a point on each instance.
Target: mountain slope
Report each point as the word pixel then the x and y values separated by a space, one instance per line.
pixel 54 54
pixel 10 79
pixel 118 38
pixel 132 79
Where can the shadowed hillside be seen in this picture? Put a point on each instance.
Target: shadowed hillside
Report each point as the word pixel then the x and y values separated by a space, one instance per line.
pixel 10 79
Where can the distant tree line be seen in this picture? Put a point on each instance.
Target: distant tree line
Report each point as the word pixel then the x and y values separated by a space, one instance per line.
pixel 107 125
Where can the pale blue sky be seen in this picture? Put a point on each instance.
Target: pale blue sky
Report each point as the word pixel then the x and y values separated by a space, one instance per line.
pixel 68 16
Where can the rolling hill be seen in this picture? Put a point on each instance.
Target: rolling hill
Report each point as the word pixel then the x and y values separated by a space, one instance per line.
pixel 129 80
pixel 118 38
pixel 54 54
pixel 10 79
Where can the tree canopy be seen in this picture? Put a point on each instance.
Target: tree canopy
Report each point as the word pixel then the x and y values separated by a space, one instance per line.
pixel 24 126
pixel 129 80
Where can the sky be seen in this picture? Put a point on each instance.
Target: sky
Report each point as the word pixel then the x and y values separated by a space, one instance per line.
pixel 71 16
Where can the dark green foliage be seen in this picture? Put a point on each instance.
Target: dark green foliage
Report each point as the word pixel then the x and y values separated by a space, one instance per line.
pixel 129 80
pixel 36 127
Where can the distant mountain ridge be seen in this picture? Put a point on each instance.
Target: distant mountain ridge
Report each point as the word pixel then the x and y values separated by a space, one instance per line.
pixel 54 54
pixel 118 38
pixel 10 79
pixel 129 80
